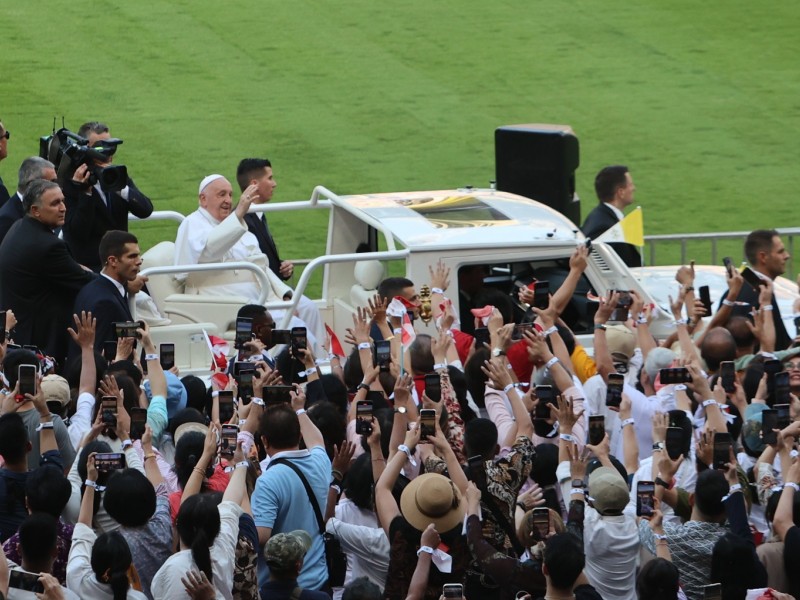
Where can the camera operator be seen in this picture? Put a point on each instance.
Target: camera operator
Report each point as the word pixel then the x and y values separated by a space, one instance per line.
pixel 93 210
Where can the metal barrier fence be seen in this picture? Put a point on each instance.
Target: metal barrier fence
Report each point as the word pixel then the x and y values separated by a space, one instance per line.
pixel 651 241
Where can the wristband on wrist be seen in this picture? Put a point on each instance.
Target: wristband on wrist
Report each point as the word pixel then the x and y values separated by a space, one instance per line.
pixel 257 401
pixel 522 505
pixel 726 302
pixel 567 437
pixel 707 403
pixel 425 549
pixel 441 365
pixel 300 411
pixel 641 320
pixel 151 357
pixel 364 346
pixel 243 463
pixel 45 425
pixel 397 330
pixel 599 327
pixel 362 386
pixel 577 492
pixel 628 422
pixel 677 322
pixel 337 488
pixel 660 536
pixel 767 307
pixel 688 288
pixel 437 291
pixel 93 484
pixel 151 455
pixel 509 387
pixel 680 387
pixel 550 330
pixel 551 362
pixel 215 394
pixel 308 372
pixel 791 484
pixel 127 444
pixel 405 450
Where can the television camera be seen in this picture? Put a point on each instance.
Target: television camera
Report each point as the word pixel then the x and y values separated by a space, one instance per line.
pixel 68 151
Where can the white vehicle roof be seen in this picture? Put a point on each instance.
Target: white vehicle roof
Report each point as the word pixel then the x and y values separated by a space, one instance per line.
pixel 458 218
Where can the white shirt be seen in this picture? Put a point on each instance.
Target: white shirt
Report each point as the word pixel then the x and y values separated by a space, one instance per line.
pixel 80 576
pixel 686 478
pixel 116 283
pixel 612 553
pixel 620 215
pixel 167 583
pixel 642 410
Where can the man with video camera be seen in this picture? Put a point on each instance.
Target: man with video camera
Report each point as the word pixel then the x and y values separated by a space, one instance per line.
pixel 99 197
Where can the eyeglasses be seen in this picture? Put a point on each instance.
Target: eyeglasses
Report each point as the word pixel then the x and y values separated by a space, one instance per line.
pixel 792 366
pixel 6 135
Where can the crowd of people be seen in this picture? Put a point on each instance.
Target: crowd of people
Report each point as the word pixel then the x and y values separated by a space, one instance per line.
pixel 413 466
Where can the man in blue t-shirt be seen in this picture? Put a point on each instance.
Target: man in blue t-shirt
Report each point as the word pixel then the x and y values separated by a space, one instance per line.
pixel 280 502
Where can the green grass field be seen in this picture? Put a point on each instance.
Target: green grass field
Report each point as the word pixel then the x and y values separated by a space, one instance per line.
pixel 701 101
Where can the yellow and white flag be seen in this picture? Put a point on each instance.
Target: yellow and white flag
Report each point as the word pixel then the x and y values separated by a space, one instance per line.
pixel 630 230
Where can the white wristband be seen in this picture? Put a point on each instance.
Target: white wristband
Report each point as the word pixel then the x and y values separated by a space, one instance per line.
pixel 792 485
pixel 680 322
pixel 567 437
pixel 127 444
pixel 707 403
pixel 509 387
pixel 736 487
pixel 437 291
pixel 93 484
pixel 308 372
pixel 426 549
pixel 300 411
pixel 364 346
pixel 726 302
pixel 397 330
pixel 243 463
pixel 215 394
pixel 47 425
pixel 438 366
pixel 627 422
pixel 151 357
pixel 767 307
pixel 680 387
pixel 256 400
pixel 405 450
pixel 551 362
pixel 550 330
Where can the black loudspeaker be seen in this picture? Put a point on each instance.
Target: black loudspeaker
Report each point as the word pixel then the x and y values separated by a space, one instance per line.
pixel 539 162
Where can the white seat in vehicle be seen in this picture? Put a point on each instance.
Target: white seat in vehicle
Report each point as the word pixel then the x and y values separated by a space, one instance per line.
pixel 368 275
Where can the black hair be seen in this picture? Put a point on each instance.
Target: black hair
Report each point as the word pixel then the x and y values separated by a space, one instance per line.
pixel 126 367
pixel 331 424
pixel 186 415
pixel 37 539
pixel 608 180
pixel 385 418
pixel 197 395
pixel 564 559
pixel 12 362
pixel 393 286
pixel 733 564
pixel 353 373
pixel 362 589
pixel 13 437
pixel 102 477
pixel 757 241
pixel 130 498
pixel 92 127
pixel 709 491
pixel 476 378
pixel 752 377
pixel 198 525
pixel 335 391
pixel 658 580
pixel 500 300
pixel 280 426
pixel 679 419
pixel 251 311
pixel 480 438
pixel 543 472
pixel 111 559
pixel 772 506
pixel 113 244
pixel 188 451
pixel 130 391
pixel 458 382
pixel 250 168
pixel 47 490
pixel 358 482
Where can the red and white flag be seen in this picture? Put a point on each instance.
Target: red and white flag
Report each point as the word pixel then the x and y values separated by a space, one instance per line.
pixel 409 335
pixel 219 349
pixel 336 345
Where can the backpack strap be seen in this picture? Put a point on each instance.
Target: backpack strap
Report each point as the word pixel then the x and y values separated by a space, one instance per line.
pixel 311 497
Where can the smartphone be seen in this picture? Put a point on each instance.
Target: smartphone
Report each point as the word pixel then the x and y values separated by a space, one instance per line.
pixel 277 394
pixel 382 354
pixel 108 404
pixel 27 379
pixel 541 294
pixel 541 522
pixel 227 441
pixel 705 298
pixel 281 336
pixel 2 327
pixel 482 337
pixel 614 389
pixel 22 580
pixel 109 461
pixel 520 329
pixel 109 350
pixel 674 442
pixel 712 591
pixel 225 401
pixel 243 372
pixel 781 389
pixel 545 396
pixel 299 340
pixel 784 415
pixel 427 421
pixel 728 265
pixel 433 387
pixel 138 421
pixel 674 375
pixel 769 421
pixel 477 471
pixel 722 449
pixel 750 277
pixel 622 309
pixel 452 590
pixel 363 417
pixel 772 366
pixel 167 356
pixel 244 332
pixel 797 326
pixel 597 429
pixel 727 375
pixel 645 492
pixel 127 329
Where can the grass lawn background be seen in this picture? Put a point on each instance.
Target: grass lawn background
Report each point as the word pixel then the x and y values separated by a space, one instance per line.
pixel 702 102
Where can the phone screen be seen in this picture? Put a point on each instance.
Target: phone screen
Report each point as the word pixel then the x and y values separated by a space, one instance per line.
pixel 722 450
pixel 797 325
pixel 545 396
pixel 138 421
pixel 541 294
pixel 277 394
pixel 225 400
pixel 614 389
pixel 477 471
pixel 784 415
pixel 750 277
pixel 167 356
pixel 705 298
pixel 227 441
pixel 109 461
pixel 427 421
pixel 597 429
pixel 782 388
pixel 363 417
pixel 674 442
pixel 623 305
pixel 27 379
pixel 520 329
pixel 433 386
pixel 481 337
pixel 243 373
pixel 22 580
pixel 645 491
pixel 452 590
pixel 769 421
pixel 541 522
pixel 126 329
pixel 383 354
pixel 727 374
pixel 674 375
pixel 299 340
pixel 108 405
pixel 244 332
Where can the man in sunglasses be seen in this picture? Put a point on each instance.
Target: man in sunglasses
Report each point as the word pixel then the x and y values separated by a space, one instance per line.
pixel 4 136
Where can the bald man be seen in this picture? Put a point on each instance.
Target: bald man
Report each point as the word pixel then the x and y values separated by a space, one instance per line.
pixel 216 232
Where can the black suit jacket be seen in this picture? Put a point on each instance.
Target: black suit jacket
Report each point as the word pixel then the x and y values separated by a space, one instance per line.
pixel 88 218
pixel 10 213
pixel 259 228
pixel 3 193
pixel 39 281
pixel 750 295
pixel 600 220
pixel 102 298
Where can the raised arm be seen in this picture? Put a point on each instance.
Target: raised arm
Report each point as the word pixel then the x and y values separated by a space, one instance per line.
pixel 311 435
pixel 385 504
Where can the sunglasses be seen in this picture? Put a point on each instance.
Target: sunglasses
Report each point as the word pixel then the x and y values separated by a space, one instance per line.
pixel 6 135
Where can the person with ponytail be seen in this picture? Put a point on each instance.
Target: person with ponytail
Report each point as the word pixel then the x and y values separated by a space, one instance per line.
pixel 208 530
pixel 99 568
